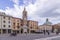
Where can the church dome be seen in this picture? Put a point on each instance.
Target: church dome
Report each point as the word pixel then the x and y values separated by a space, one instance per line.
pixel 47 22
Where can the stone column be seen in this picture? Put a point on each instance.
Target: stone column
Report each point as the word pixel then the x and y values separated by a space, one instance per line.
pixel 29 30
pixel 6 31
pixel 1 31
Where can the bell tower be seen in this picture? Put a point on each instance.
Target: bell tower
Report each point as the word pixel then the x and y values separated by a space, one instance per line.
pixel 24 17
pixel 24 20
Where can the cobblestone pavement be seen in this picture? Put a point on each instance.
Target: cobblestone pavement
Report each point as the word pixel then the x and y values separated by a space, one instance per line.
pixel 24 36
pixel 50 38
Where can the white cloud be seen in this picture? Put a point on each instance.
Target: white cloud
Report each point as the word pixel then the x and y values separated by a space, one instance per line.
pixel 16 11
pixel 15 1
pixel 36 10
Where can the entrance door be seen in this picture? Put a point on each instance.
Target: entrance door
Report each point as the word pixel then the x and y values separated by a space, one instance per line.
pixel 4 31
pixel 0 31
pixel 9 30
pixel 14 31
pixel 18 31
pixel 21 30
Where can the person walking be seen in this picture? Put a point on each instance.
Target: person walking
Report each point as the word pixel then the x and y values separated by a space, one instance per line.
pixel 44 32
pixel 47 32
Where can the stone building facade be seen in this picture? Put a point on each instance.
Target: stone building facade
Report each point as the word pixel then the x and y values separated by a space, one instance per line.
pixel 10 24
pixel 46 26
pixel 24 18
pixel 5 23
pixel 32 25
pixel 16 25
pixel 56 26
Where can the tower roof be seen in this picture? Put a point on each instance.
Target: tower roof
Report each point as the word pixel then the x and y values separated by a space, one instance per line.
pixel 24 8
pixel 47 22
pixel 24 11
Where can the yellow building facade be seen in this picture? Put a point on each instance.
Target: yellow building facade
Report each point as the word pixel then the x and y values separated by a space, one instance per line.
pixel 16 27
pixel 33 25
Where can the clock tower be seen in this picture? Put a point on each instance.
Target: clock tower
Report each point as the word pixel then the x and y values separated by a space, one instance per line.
pixel 24 17
pixel 24 20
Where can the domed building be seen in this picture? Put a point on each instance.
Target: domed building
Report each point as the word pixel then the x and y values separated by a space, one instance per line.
pixel 46 26
pixel 47 22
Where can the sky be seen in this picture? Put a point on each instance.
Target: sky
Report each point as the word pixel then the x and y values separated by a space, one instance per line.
pixel 38 10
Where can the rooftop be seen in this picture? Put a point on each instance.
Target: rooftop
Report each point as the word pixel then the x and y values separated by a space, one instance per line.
pixel 47 22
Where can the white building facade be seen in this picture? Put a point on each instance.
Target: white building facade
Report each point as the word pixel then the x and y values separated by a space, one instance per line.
pixel 5 23
pixel 46 26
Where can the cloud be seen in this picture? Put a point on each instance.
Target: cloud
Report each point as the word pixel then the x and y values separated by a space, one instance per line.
pixel 15 1
pixel 16 11
pixel 38 10
pixel 48 9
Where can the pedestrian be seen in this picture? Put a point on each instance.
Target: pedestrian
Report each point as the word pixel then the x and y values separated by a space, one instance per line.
pixel 57 32
pixel 44 32
pixel 47 32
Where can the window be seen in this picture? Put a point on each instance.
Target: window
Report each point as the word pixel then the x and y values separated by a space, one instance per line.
pixel 18 24
pixel 4 30
pixel 14 27
pixel 18 27
pixel 17 31
pixel 27 24
pixel 9 30
pixel 4 25
pixel 9 18
pixel 4 21
pixel 21 24
pixel 31 27
pixel 9 26
pixel 4 17
pixel 17 20
pixel 9 21
pixel 13 23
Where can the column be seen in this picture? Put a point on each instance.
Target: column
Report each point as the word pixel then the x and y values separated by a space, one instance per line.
pixel 1 31
pixel 6 31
